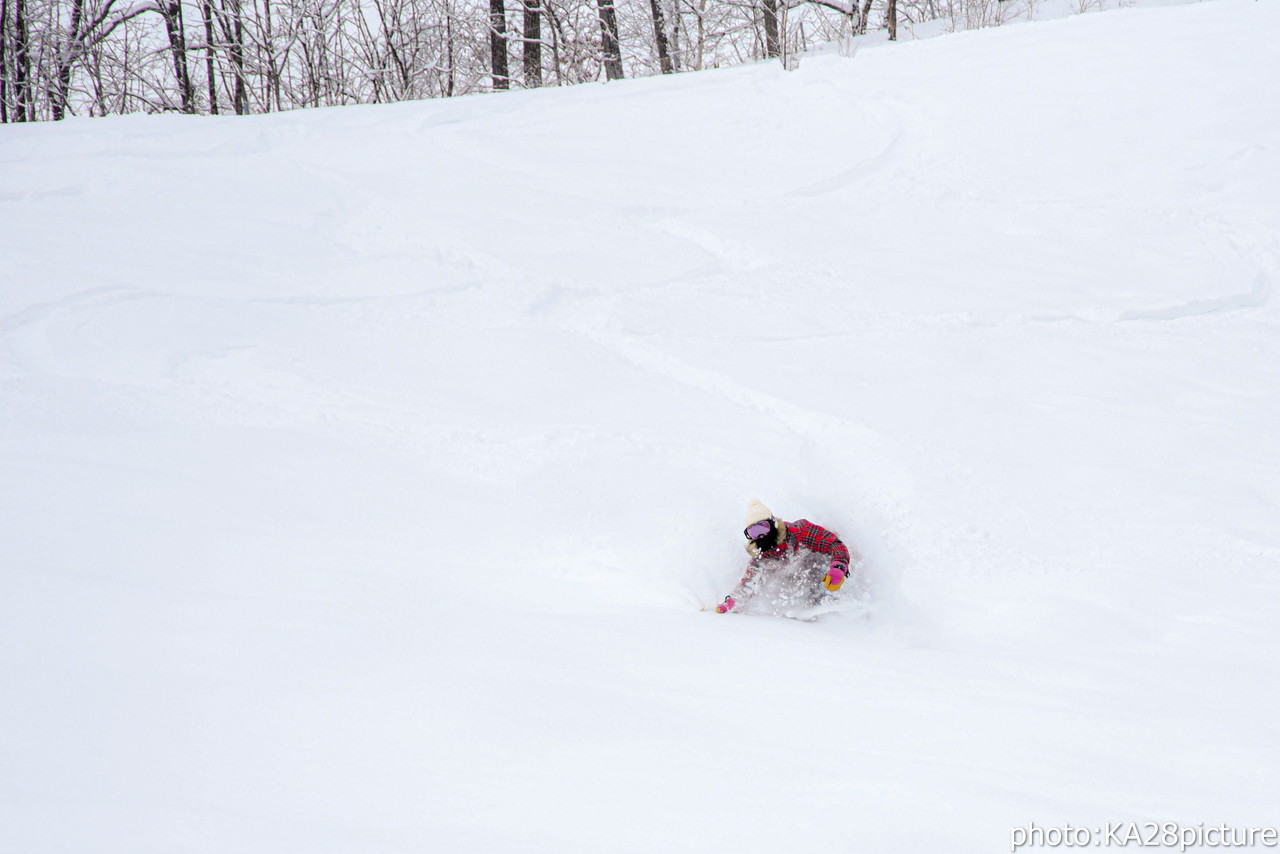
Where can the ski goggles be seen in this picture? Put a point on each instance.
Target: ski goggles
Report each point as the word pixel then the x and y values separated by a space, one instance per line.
pixel 756 530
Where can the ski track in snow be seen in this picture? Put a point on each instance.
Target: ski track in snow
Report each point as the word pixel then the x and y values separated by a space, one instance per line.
pixel 87 299
pixel 1257 296
pixel 860 170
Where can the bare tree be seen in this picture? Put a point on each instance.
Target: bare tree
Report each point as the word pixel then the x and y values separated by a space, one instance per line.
pixel 611 49
pixel 498 44
pixel 171 11
pixel 266 44
pixel 68 52
pixel 450 79
pixel 21 63
pixel 531 50
pixel 233 31
pixel 660 37
pixel 207 13
pixel 769 12
pixel 4 61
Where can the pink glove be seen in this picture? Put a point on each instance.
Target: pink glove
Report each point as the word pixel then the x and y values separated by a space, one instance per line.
pixel 835 576
pixel 726 605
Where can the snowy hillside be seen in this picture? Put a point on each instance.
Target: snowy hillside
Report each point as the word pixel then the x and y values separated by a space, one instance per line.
pixel 363 471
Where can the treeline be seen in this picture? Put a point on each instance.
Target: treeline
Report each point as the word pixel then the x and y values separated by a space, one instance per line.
pixel 100 57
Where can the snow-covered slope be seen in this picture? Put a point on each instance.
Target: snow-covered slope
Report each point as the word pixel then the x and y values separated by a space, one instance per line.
pixel 363 471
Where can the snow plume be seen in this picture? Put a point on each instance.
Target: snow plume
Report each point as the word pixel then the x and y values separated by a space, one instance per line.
pixel 791 587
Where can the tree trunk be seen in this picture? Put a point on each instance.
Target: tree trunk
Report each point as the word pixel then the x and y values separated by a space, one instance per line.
pixel 891 12
pixel 609 40
pixel 498 45
pixel 532 43
pixel 208 57
pixel 99 85
pixel 770 10
pixel 674 47
pixel 4 62
pixel 660 37
pixel 866 16
pixel 172 14
pixel 555 44
pixel 448 35
pixel 273 74
pixel 67 50
pixel 702 36
pixel 241 97
pixel 21 63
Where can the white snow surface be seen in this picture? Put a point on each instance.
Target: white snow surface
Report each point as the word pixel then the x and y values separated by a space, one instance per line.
pixel 363 471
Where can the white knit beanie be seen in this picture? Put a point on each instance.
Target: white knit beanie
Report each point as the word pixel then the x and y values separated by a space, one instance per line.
pixel 757 512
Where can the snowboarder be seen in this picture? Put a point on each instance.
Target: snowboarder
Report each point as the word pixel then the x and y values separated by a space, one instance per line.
pixel 774 545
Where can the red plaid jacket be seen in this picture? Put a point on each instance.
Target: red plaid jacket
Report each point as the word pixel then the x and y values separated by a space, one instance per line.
pixel 802 535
